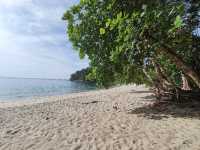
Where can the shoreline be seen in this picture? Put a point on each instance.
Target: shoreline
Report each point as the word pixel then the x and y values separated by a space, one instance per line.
pixel 119 118
pixel 44 99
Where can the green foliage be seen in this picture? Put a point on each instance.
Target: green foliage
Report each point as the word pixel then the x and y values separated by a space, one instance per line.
pixel 81 54
pixel 80 75
pixel 178 22
pixel 102 31
pixel 120 36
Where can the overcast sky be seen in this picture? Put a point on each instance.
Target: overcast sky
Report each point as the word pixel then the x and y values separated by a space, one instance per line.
pixel 33 41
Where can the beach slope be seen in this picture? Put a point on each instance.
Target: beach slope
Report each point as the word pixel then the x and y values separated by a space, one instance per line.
pixel 121 118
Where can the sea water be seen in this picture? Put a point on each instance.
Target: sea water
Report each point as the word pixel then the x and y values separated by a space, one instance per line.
pixel 20 88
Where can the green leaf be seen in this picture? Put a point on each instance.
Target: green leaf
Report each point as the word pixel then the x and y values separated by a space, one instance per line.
pixel 109 7
pixel 144 7
pixel 142 14
pixel 119 15
pixel 178 22
pixel 81 54
pixel 171 12
pixel 108 23
pixel 102 31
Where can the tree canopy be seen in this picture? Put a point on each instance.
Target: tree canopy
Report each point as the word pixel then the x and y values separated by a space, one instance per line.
pixel 80 75
pixel 143 42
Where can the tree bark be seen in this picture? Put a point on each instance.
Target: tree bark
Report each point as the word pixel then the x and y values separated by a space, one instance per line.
pixel 147 75
pixel 185 84
pixel 161 75
pixel 182 65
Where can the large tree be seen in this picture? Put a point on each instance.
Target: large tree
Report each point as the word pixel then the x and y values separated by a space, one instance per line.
pixel 152 42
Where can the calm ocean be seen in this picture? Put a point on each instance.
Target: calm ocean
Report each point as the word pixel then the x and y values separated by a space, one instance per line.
pixel 19 88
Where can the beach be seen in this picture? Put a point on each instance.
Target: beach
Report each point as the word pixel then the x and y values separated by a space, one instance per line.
pixel 120 118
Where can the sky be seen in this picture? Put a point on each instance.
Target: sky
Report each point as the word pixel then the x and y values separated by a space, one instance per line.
pixel 33 40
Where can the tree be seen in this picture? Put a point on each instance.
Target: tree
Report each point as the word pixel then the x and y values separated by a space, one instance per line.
pixel 151 42
pixel 80 75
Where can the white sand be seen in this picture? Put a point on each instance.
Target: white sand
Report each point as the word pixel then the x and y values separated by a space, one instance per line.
pixel 118 118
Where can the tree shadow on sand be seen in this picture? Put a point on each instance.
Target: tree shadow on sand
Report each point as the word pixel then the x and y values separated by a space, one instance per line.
pixel 141 92
pixel 165 109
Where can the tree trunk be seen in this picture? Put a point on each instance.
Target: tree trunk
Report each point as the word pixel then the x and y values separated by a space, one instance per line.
pixel 164 72
pixel 163 78
pixel 147 75
pixel 185 84
pixel 182 65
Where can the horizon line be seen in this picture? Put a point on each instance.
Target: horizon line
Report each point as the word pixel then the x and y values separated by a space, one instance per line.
pixel 6 77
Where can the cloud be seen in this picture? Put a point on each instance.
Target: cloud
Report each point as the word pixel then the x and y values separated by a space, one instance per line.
pixel 14 3
pixel 33 39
